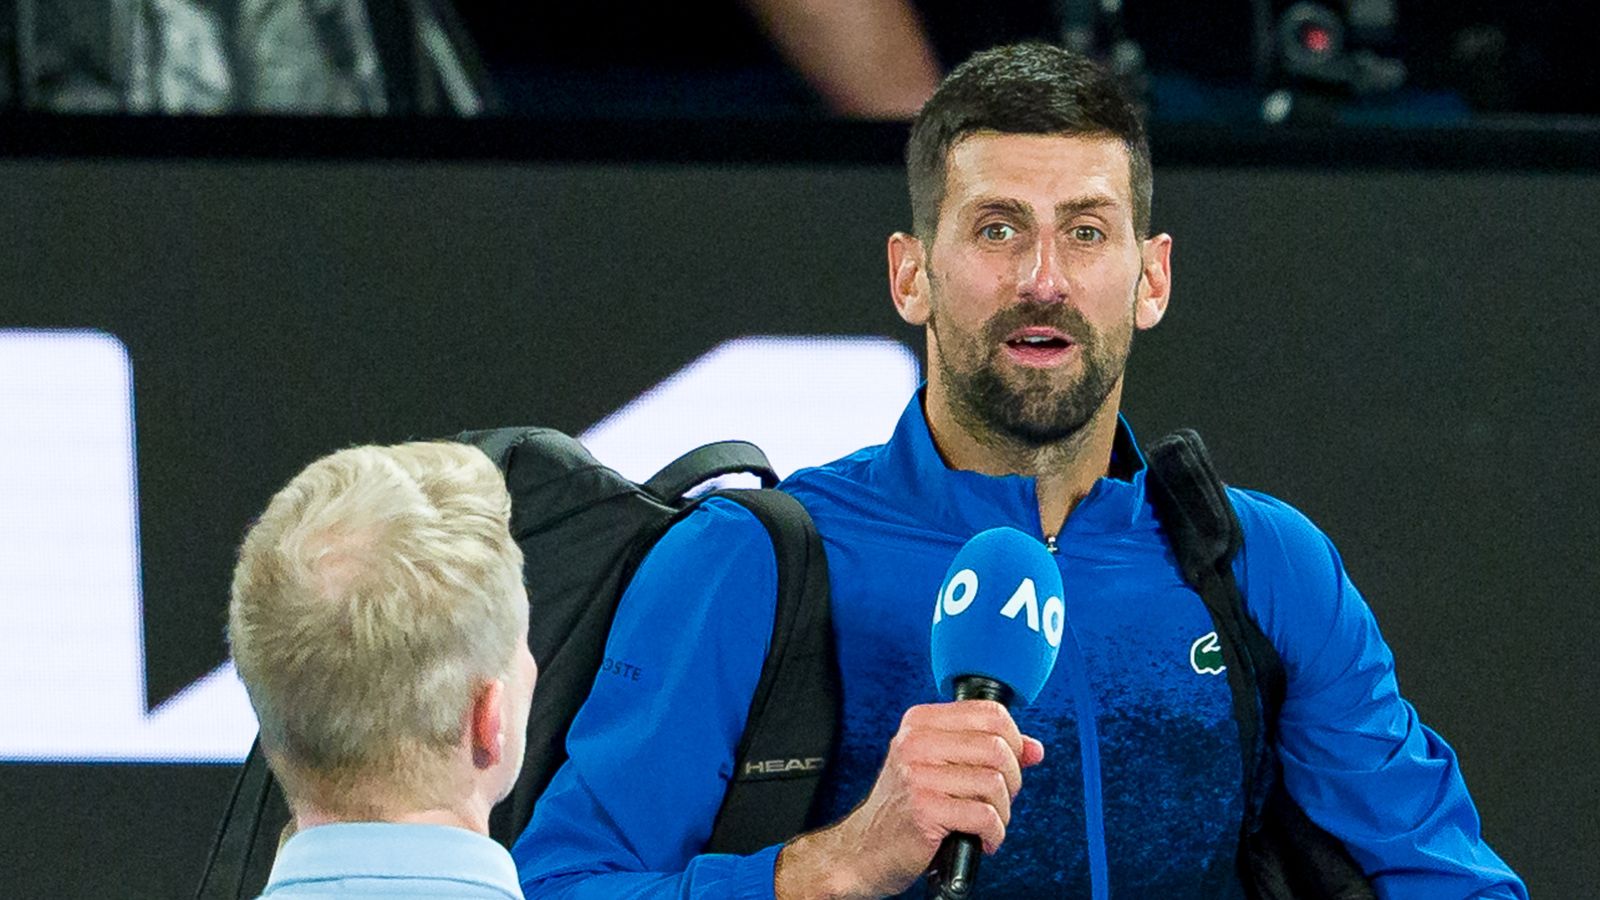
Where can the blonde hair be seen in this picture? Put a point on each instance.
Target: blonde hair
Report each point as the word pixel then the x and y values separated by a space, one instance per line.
pixel 380 588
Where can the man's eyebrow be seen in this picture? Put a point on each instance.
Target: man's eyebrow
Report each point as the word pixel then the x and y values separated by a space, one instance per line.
pixel 1066 209
pixel 1007 206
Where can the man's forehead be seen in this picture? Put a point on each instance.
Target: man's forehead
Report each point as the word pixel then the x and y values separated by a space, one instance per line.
pixel 1037 168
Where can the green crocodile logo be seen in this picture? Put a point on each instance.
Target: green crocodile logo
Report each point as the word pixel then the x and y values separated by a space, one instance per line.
pixel 1205 655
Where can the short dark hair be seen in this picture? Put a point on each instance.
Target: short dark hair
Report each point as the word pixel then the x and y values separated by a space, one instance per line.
pixel 1022 89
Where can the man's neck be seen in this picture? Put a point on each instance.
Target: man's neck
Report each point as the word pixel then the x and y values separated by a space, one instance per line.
pixel 313 818
pixel 471 815
pixel 1064 472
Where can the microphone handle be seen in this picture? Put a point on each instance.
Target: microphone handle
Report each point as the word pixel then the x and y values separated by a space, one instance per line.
pixel 954 873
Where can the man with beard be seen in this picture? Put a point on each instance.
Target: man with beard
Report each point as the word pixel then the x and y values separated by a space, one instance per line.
pixel 1031 266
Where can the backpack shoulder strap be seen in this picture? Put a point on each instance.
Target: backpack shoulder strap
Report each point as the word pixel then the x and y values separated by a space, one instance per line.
pixel 793 722
pixel 1283 854
pixel 1192 505
pixel 704 463
pixel 246 843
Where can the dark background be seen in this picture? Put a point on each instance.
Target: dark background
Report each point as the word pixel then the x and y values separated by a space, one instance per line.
pixel 1465 59
pixel 1397 339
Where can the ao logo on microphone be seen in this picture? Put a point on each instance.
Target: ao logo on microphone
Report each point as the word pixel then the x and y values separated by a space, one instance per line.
pixel 962 590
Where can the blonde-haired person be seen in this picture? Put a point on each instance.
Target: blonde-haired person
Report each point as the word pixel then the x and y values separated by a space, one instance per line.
pixel 379 622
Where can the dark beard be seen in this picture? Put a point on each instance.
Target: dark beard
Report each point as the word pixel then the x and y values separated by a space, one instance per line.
pixel 1031 411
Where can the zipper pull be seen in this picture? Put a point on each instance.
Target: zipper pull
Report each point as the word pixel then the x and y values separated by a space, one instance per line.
pixel 1050 543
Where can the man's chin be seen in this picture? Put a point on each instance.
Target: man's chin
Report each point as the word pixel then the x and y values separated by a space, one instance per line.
pixel 1034 421
pixel 1041 432
pixel 1039 411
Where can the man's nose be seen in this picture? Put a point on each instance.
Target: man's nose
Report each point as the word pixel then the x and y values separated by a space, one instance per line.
pixel 1043 277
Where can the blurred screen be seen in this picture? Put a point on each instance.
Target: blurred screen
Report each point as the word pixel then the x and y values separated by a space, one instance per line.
pixel 72 651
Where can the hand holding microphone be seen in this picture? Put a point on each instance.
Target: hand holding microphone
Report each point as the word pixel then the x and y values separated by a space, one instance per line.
pixel 952 768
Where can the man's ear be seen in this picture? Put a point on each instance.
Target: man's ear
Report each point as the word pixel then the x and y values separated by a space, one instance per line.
pixel 908 278
pixel 1155 285
pixel 486 725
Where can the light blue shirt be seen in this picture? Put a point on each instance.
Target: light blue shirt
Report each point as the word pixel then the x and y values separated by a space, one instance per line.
pixel 381 859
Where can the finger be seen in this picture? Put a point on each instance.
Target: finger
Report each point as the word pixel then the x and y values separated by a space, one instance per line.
pixel 966 783
pixel 961 748
pixel 965 715
pixel 1032 752
pixel 995 719
pixel 940 816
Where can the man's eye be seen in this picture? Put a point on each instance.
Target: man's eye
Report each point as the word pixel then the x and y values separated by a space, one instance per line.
pixel 1088 234
pixel 996 231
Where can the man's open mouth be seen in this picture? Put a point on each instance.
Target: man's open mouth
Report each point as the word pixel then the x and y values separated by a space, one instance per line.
pixel 1038 345
pixel 1039 341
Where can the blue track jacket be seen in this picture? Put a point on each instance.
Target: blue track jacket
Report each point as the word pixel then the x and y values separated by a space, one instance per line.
pixel 1138 794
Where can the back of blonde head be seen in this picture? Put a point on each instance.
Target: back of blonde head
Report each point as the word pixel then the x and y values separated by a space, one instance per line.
pixel 378 591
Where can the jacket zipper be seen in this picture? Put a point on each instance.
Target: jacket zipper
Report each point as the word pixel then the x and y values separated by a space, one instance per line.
pixel 1089 753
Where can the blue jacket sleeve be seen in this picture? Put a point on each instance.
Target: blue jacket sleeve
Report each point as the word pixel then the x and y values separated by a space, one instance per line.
pixel 1355 756
pixel 651 750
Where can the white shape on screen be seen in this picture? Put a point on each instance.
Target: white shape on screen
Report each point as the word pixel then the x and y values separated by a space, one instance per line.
pixel 72 669
pixel 804 400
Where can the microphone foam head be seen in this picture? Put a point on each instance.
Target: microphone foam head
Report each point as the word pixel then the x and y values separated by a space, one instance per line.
pixel 1000 613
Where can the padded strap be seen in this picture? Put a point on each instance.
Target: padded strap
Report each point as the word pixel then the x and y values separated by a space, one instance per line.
pixel 1283 854
pixel 792 727
pixel 241 857
pixel 1192 503
pixel 705 463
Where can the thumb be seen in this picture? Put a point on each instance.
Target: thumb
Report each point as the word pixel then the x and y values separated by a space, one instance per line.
pixel 1032 752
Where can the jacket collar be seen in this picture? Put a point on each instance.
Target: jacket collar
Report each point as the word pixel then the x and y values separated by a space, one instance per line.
pixel 911 471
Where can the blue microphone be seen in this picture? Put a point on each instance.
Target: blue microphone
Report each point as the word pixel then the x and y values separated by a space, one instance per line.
pixel 997 628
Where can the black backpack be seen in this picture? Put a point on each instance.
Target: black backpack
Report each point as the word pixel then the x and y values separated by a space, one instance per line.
pixel 584 529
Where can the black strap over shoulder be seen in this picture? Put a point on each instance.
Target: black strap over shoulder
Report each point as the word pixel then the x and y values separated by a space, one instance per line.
pixel 247 841
pixel 793 723
pixel 1283 855
pixel 1192 504
pixel 710 461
